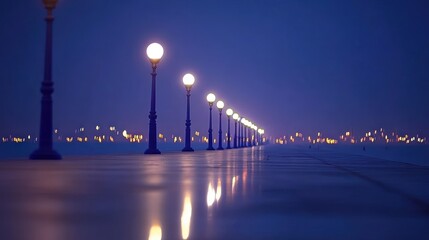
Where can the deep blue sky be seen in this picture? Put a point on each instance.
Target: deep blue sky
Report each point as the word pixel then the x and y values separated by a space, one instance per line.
pixel 287 65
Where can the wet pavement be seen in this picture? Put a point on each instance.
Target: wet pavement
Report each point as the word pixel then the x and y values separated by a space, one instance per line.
pixel 268 192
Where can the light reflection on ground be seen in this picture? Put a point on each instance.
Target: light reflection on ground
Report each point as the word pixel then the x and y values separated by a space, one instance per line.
pixel 254 193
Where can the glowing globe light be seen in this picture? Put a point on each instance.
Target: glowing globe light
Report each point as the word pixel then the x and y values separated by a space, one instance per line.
pixel 229 112
pixel 188 79
pixel 211 98
pixel 235 116
pixel 154 52
pixel 243 120
pixel 220 104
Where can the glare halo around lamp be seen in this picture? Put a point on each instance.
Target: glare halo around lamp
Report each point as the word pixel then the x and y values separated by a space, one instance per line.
pixel 235 116
pixel 220 106
pixel 188 81
pixel 210 99
pixel 154 52
pixel 45 150
pixel 229 113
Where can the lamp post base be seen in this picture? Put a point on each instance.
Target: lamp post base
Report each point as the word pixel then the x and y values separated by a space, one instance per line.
pixel 187 149
pixel 219 148
pixel 45 155
pixel 152 151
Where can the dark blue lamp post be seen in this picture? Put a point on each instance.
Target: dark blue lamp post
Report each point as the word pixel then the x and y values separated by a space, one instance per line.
pixel 154 52
pixel 250 128
pixel 188 81
pixel 262 136
pixel 210 99
pixel 45 150
pixel 229 113
pixel 249 134
pixel 220 106
pixel 244 132
pixel 243 135
pixel 235 116
pixel 254 134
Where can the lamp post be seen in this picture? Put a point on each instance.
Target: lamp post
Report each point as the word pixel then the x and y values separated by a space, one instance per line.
pixel 235 116
pixel 188 81
pixel 154 52
pixel 229 113
pixel 243 132
pixel 220 106
pixel 246 127
pixel 210 99
pixel 239 132
pixel 45 150
pixel 259 136
pixel 254 134
pixel 249 133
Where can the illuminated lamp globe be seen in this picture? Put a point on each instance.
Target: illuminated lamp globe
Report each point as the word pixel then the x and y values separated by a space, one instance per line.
pixel 154 52
pixel 188 80
pixel 220 104
pixel 211 98
pixel 243 120
pixel 229 112
pixel 260 131
pixel 235 116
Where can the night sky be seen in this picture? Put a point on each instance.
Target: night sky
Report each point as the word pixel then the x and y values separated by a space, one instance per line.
pixel 288 66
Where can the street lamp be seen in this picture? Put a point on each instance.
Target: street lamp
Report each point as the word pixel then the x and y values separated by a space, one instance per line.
pixel 235 116
pixel 188 81
pixel 229 113
pixel 243 132
pixel 154 52
pixel 45 150
pixel 210 99
pixel 260 137
pixel 249 133
pixel 254 134
pixel 220 106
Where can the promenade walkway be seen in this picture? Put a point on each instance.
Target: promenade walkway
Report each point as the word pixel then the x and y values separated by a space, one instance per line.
pixel 268 192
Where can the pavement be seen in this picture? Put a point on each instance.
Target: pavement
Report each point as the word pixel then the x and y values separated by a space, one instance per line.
pixel 264 192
